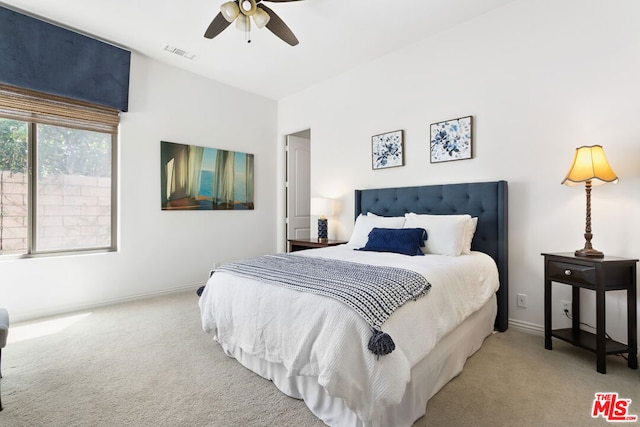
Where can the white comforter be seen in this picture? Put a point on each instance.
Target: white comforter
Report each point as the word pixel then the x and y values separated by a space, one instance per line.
pixel 312 335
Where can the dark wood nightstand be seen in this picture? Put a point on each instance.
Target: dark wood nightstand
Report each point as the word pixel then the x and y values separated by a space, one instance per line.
pixel 300 244
pixel 600 275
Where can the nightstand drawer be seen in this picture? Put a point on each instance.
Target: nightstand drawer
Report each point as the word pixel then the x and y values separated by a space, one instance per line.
pixel 576 273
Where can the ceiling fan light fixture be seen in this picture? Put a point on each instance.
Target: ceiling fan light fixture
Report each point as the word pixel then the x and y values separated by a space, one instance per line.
pixel 261 18
pixel 241 11
pixel 230 10
pixel 248 7
pixel 243 23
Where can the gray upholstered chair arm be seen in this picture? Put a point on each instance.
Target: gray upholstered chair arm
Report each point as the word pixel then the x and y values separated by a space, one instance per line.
pixel 4 327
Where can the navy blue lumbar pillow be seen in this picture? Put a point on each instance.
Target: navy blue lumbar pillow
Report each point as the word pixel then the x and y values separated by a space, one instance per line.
pixel 406 241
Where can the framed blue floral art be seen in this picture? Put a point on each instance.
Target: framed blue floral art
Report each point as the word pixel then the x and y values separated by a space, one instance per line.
pixel 451 140
pixel 387 150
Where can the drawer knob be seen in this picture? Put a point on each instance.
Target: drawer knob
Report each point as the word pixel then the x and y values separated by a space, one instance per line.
pixel 567 272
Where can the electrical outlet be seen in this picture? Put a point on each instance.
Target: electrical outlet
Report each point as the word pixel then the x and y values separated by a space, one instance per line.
pixel 566 306
pixel 522 300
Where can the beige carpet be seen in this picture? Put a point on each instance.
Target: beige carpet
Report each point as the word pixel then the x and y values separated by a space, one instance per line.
pixel 148 363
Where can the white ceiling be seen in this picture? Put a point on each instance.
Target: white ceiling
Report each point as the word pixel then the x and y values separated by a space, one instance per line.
pixel 335 35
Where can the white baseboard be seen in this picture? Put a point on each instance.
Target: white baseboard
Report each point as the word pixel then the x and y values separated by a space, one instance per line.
pixel 526 326
pixel 531 328
pixel 72 308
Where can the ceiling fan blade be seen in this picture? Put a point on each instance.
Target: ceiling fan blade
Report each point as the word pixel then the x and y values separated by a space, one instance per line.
pixel 280 1
pixel 217 25
pixel 278 27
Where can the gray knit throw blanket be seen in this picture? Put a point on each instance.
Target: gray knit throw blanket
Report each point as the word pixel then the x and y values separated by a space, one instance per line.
pixel 374 292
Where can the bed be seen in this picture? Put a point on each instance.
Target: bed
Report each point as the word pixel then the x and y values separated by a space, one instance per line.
pixel 314 347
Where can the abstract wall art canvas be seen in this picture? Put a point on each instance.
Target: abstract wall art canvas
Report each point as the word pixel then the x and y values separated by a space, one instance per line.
pixel 387 150
pixel 451 140
pixel 203 178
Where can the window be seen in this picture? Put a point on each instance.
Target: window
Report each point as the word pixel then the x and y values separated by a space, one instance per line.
pixel 57 175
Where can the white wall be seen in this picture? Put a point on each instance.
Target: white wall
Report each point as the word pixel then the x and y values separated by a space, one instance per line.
pixel 540 77
pixel 161 251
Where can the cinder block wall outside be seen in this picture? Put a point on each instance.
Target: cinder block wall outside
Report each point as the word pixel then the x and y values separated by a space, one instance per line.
pixel 73 211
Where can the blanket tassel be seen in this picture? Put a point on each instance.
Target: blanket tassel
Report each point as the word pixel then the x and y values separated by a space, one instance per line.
pixel 381 343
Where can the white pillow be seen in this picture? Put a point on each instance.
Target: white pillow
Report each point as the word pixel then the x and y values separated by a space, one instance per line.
pixel 365 223
pixel 380 216
pixel 469 231
pixel 445 233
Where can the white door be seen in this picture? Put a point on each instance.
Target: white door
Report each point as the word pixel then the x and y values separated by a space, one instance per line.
pixel 298 185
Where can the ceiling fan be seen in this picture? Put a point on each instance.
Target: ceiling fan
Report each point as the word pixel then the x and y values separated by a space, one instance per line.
pixel 242 10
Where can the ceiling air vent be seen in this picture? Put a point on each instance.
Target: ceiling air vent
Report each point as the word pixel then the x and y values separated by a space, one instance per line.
pixel 179 52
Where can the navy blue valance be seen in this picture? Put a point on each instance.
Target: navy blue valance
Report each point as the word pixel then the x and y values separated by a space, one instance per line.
pixel 46 58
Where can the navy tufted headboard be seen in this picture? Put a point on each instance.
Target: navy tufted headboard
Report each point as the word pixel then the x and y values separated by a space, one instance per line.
pixel 486 200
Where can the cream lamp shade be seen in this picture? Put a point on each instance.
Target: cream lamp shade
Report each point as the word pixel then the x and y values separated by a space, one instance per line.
pixel 261 18
pixel 322 207
pixel 591 167
pixel 590 164
pixel 230 10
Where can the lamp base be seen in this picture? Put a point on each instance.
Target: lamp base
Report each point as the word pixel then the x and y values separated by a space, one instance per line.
pixel 589 252
pixel 323 235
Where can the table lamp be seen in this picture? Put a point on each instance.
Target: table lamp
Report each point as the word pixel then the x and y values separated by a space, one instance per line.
pixel 591 167
pixel 322 207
